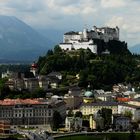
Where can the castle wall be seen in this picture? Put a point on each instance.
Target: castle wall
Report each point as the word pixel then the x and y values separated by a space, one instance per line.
pixel 77 40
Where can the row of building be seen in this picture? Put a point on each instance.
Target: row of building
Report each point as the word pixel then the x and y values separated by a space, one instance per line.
pixel 38 113
pixel 35 113
pixel 31 80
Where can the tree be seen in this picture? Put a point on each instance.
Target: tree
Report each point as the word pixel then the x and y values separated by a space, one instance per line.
pixel 78 114
pixel 50 52
pixel 70 113
pixel 128 113
pixel 57 120
pixel 57 49
pixel 107 116
pixel 38 93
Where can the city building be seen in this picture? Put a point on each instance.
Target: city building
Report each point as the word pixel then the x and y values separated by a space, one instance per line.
pixel 121 122
pixel 31 84
pixel 88 97
pixel 4 126
pixel 57 75
pixel 73 123
pixel 7 74
pixel 96 121
pixel 121 88
pixel 34 69
pixel 36 113
pixel 133 109
pixel 75 90
pixel 43 82
pixel 105 97
pixel 74 98
pixel 73 101
pixel 134 102
pixel 94 107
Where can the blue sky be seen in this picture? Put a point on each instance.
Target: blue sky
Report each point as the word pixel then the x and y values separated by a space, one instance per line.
pixel 76 14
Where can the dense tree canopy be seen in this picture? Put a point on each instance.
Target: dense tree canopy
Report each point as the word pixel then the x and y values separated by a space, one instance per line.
pixel 101 71
pixel 106 114
pixel 57 120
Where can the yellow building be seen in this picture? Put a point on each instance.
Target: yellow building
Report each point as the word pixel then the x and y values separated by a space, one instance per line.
pixel 92 122
pixel 135 102
pixel 94 107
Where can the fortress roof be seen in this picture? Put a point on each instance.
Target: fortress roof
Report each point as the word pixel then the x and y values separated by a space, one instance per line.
pixel 71 33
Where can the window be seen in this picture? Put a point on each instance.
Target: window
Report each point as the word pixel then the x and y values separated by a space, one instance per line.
pixel 49 112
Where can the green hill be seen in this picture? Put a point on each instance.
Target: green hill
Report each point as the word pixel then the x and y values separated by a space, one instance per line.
pixel 83 67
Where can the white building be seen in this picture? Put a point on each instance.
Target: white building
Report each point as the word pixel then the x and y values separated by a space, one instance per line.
pixel 76 40
pixel 31 83
pixel 135 110
pixel 76 44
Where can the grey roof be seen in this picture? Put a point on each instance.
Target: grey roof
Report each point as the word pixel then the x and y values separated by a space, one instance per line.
pixel 74 88
pixel 130 105
pixel 136 99
pixel 101 104
pixel 54 74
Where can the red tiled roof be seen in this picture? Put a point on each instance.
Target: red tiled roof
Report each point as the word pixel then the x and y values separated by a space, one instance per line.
pixel 120 99
pixel 34 65
pixel 20 101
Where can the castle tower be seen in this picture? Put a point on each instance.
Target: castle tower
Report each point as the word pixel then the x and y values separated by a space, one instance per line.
pixel 94 28
pixel 34 69
pixel 118 32
pixel 85 35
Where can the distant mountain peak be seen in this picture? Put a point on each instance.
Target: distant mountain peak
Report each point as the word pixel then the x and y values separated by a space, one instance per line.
pixel 19 41
pixel 135 49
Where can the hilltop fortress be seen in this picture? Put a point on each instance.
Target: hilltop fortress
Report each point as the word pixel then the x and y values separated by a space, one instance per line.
pixel 86 39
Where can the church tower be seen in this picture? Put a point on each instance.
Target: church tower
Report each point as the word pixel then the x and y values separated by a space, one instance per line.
pixel 34 69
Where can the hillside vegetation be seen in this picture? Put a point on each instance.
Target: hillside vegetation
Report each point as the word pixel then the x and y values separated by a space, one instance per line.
pixel 83 67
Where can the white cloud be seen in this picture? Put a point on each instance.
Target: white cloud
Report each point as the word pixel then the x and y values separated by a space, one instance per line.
pixel 113 3
pixel 75 13
pixel 125 24
pixel 129 27
pixel 115 21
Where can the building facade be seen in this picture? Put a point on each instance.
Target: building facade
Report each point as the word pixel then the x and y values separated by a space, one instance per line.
pixel 135 110
pixel 85 39
pixel 29 112
pixel 73 123
pixel 121 122
pixel 93 108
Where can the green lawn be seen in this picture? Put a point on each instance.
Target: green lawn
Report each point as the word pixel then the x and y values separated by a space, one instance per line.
pixel 109 136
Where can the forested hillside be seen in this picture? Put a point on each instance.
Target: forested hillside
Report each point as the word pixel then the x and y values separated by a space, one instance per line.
pixel 83 67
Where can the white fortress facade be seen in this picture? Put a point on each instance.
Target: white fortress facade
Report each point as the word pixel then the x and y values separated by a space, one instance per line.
pixel 76 40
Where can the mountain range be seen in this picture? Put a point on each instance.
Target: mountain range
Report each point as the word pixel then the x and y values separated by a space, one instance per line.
pixel 135 49
pixel 19 41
